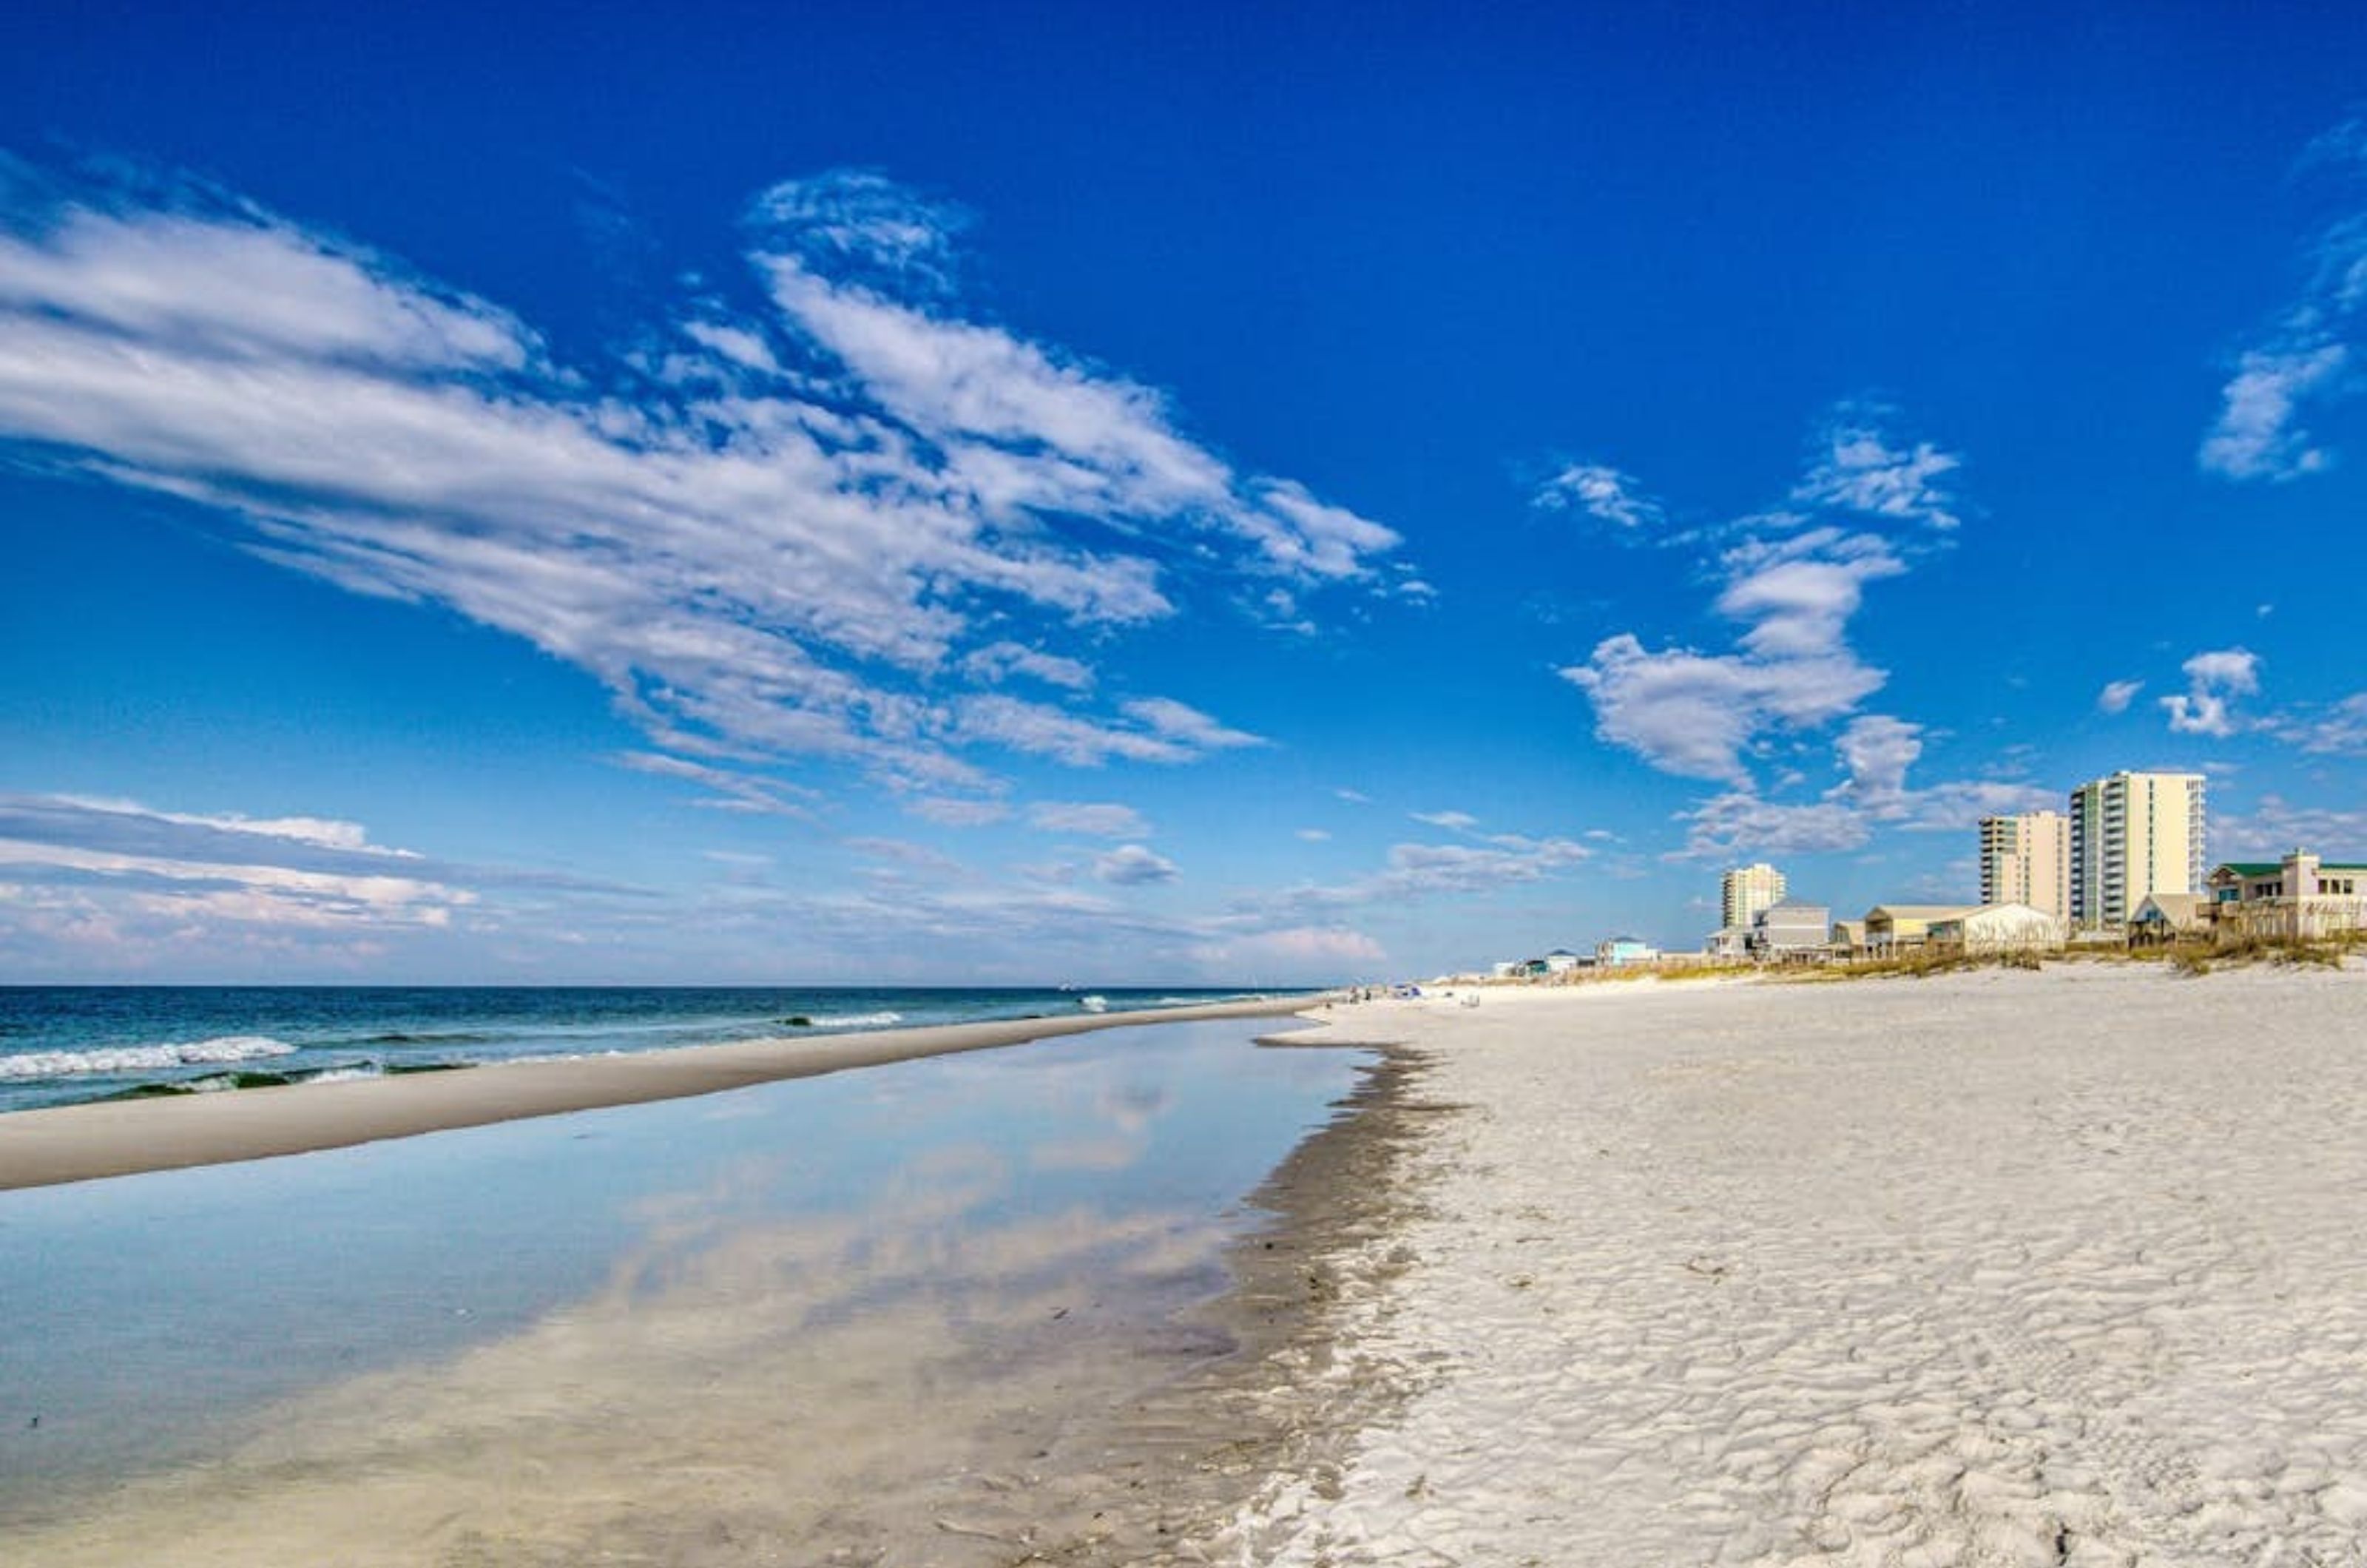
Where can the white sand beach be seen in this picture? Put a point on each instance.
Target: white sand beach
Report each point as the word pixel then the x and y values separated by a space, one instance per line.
pixel 2000 1268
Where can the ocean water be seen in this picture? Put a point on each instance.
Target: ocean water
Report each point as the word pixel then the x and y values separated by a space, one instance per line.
pixel 60 1045
pixel 943 1249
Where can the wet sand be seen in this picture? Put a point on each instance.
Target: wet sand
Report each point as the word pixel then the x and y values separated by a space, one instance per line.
pixel 77 1143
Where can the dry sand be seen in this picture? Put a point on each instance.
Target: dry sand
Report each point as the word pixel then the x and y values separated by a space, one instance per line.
pixel 1999 1268
pixel 76 1143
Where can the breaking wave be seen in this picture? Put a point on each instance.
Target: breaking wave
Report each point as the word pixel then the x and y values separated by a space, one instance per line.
pixel 143 1058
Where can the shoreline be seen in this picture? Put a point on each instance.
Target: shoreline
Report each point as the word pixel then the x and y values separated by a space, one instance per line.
pixel 54 1144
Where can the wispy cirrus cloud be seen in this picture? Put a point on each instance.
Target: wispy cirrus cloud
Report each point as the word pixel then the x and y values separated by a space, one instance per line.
pixel 1602 492
pixel 781 534
pixel 1422 871
pixel 1865 469
pixel 2306 359
pixel 1103 820
pixel 119 873
pixel 1151 731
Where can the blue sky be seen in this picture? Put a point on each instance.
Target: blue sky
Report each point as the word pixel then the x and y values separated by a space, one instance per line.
pixel 1099 494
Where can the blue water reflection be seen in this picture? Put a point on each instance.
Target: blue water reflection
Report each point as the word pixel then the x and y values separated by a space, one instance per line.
pixel 153 1319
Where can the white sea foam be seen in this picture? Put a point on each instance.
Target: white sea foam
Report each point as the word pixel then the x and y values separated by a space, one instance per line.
pixel 347 1075
pixel 856 1020
pixel 143 1058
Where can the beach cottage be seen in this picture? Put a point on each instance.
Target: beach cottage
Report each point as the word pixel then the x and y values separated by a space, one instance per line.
pixel 1791 933
pixel 2165 917
pixel 1727 943
pixel 1620 952
pixel 1902 927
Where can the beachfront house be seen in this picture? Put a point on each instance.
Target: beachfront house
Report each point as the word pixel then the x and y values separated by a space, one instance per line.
pixel 1791 933
pixel 1848 938
pixel 1561 961
pixel 1620 952
pixel 2165 917
pixel 1999 927
pixel 1727 943
pixel 1903 928
pixel 2299 896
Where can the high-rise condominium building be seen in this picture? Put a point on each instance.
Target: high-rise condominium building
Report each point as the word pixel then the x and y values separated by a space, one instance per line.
pixel 2026 859
pixel 1748 889
pixel 2132 834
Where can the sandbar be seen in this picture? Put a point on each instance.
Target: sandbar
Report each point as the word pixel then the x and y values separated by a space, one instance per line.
pixel 80 1143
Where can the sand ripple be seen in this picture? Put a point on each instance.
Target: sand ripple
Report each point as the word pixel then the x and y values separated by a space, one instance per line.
pixel 1994 1270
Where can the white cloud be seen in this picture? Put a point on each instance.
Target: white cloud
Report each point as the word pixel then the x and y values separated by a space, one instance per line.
pixel 997 662
pixel 1859 469
pixel 1739 823
pixel 2342 731
pixel 2305 358
pixel 1186 725
pixel 1130 866
pixel 123 861
pixel 1163 732
pixel 759 562
pixel 1795 579
pixel 2276 826
pixel 2257 436
pixel 1102 819
pixel 1452 821
pixel 1602 492
pixel 1315 835
pixel 1427 871
pixel 1691 714
pixel 1876 752
pixel 729 789
pixel 904 853
pixel 955 811
pixel 1301 945
pixel 1801 592
pixel 2213 679
pixel 2116 695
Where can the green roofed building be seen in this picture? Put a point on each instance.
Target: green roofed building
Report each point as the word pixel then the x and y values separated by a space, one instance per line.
pixel 2300 896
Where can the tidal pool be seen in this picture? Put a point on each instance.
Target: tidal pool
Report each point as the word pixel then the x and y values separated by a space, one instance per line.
pixel 794 1318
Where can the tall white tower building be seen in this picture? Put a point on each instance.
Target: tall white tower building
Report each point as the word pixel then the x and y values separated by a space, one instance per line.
pixel 1748 889
pixel 2132 834
pixel 2026 859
